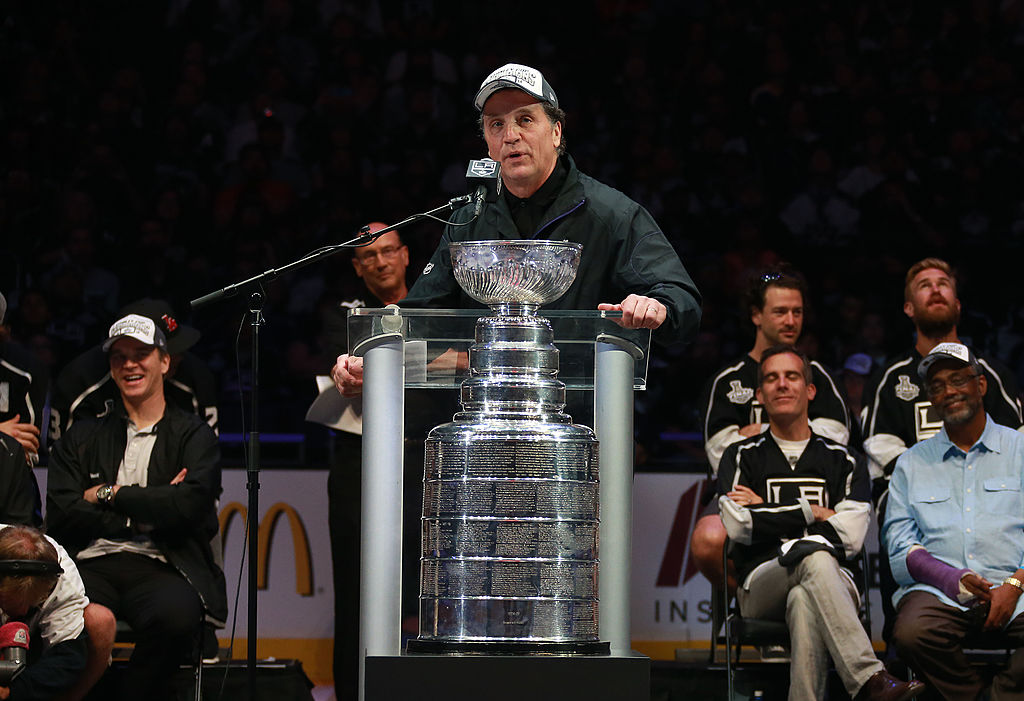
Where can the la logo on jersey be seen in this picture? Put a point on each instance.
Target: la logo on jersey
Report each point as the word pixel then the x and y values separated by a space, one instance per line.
pixel 906 390
pixel 926 421
pixel 738 394
pixel 787 489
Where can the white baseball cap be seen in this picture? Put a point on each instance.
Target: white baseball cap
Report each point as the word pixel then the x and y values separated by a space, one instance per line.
pixel 515 75
pixel 946 351
pixel 139 327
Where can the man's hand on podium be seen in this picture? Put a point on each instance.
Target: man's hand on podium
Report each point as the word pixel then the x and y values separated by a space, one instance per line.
pixel 638 312
pixel 347 374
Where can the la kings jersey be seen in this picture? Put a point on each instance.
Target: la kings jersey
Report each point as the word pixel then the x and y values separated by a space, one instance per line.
pixel 84 389
pixel 826 474
pixel 731 404
pixel 897 413
pixel 22 385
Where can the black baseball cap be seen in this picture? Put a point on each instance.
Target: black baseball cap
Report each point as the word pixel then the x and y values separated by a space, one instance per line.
pixel 180 337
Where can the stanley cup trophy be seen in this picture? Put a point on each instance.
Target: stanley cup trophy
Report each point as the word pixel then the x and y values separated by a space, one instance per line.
pixel 510 497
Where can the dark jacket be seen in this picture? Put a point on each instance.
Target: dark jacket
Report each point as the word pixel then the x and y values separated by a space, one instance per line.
pixel 26 383
pixel 183 517
pixel 19 491
pixel 624 252
pixel 84 390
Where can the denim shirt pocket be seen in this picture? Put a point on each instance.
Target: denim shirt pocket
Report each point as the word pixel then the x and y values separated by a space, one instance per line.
pixel 932 505
pixel 1002 495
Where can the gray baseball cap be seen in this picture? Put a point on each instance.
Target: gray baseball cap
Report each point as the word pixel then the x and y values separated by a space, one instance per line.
pixel 515 75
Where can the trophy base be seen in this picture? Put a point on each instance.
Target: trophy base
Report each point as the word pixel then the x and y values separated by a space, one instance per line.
pixel 507 647
pixel 562 677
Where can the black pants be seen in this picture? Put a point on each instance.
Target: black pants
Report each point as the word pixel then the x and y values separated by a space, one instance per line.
pixel 929 636
pixel 344 484
pixel 163 610
pixel 343 514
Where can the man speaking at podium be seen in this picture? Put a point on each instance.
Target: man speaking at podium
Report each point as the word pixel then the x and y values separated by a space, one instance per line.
pixel 627 261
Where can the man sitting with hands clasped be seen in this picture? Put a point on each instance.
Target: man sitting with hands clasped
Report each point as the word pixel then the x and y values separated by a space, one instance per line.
pixel 954 534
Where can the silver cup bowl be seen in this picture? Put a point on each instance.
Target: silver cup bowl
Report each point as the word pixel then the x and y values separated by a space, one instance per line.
pixel 515 272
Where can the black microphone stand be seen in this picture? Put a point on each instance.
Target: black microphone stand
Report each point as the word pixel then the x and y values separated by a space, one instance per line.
pixel 255 284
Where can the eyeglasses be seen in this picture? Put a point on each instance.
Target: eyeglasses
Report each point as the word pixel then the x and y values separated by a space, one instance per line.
pixel 954 382
pixel 386 253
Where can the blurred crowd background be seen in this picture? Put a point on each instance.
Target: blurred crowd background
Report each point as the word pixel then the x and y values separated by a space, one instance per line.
pixel 168 148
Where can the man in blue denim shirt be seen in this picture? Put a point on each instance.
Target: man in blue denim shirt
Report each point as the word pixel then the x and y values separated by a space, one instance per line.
pixel 954 533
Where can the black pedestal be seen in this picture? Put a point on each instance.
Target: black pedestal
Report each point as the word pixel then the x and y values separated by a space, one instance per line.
pixel 508 677
pixel 277 680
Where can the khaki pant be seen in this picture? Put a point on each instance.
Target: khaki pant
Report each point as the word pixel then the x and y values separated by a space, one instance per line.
pixel 819 604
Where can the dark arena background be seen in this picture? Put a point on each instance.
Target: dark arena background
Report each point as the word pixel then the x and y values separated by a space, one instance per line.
pixel 166 149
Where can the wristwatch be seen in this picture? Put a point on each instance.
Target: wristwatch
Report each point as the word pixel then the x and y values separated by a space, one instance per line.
pixel 1013 581
pixel 105 493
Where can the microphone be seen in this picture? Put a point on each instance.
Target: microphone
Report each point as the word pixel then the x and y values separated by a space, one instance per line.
pixel 484 176
pixel 13 650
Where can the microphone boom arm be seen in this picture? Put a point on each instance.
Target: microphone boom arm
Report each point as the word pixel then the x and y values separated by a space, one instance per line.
pixel 363 239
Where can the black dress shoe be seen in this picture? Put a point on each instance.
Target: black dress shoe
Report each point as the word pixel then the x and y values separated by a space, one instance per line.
pixel 882 686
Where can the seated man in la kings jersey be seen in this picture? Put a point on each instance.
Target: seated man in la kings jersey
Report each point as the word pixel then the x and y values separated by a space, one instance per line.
pixel 797 506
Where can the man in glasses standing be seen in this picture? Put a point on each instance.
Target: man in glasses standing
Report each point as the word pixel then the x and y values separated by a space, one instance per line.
pixel 382 268
pixel 381 265
pixel 954 533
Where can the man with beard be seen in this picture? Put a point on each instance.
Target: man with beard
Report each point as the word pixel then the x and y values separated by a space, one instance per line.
pixel 954 534
pixel 898 413
pixel 775 299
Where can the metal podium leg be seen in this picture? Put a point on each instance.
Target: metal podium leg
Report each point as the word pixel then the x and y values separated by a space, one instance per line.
pixel 380 568
pixel 613 424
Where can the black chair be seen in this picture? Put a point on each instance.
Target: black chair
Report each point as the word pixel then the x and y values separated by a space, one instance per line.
pixel 759 632
pixel 206 650
pixel 987 652
pixel 124 642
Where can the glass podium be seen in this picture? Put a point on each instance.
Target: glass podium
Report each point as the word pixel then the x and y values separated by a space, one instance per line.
pixel 429 349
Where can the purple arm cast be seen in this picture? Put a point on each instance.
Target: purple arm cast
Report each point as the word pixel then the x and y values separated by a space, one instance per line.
pixel 928 570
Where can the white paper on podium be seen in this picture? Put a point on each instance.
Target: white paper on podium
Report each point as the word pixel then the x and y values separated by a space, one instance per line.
pixel 335 411
pixel 346 413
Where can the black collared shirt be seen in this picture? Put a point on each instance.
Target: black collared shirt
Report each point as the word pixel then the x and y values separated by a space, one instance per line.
pixel 528 213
